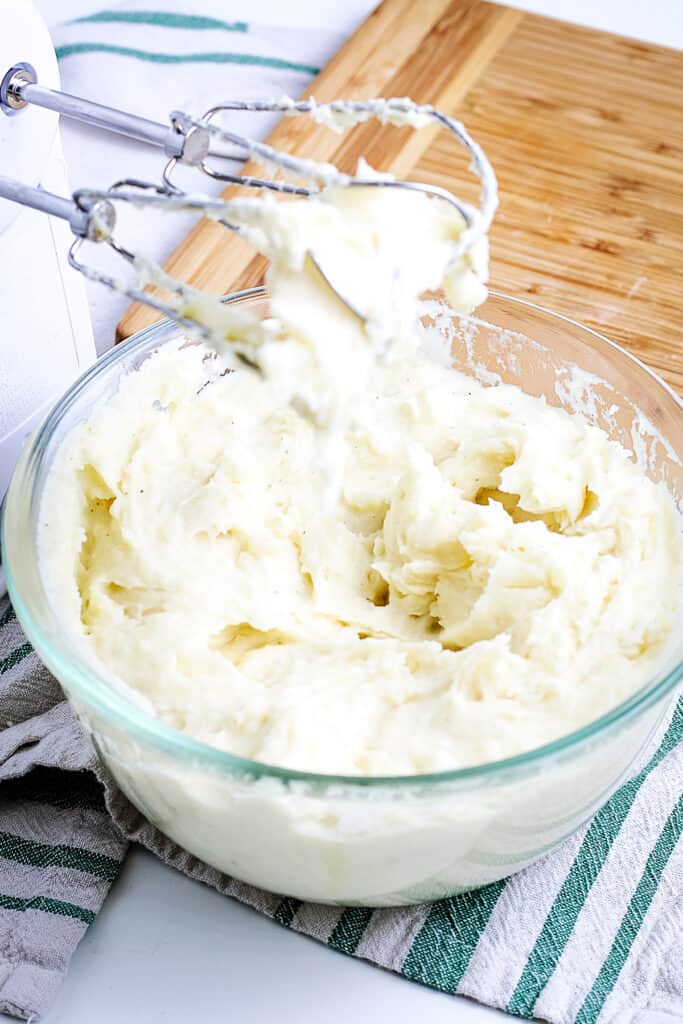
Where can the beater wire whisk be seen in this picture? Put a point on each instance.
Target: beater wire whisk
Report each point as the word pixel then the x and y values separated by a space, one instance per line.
pixel 197 143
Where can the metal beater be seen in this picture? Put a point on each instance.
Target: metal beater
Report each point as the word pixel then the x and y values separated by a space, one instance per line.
pixel 196 143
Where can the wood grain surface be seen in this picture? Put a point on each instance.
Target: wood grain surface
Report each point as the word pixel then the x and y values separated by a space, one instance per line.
pixel 585 131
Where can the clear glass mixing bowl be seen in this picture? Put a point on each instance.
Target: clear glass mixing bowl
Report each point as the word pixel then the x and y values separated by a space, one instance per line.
pixel 368 841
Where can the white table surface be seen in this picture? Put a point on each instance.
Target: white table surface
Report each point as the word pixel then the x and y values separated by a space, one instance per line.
pixel 165 949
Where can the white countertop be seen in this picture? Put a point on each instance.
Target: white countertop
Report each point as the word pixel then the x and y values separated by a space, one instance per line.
pixel 165 949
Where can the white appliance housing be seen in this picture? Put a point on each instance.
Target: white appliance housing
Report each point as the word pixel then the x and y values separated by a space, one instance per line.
pixel 45 333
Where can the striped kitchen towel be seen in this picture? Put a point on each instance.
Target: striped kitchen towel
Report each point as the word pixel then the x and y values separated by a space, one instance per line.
pixel 592 932
pixel 59 849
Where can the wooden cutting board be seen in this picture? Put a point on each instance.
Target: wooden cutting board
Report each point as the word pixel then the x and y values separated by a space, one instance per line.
pixel 584 129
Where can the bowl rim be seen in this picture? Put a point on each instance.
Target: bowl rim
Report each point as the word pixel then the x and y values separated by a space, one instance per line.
pixel 100 695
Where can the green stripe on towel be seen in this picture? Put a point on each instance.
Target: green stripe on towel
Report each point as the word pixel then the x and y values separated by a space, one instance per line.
pixel 7 616
pixel 71 49
pixel 441 951
pixel 575 889
pixel 48 906
pixel 15 657
pixel 633 918
pixel 349 929
pixel 286 910
pixel 42 855
pixel 165 19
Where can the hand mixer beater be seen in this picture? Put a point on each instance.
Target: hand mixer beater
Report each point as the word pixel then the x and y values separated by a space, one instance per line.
pixel 200 143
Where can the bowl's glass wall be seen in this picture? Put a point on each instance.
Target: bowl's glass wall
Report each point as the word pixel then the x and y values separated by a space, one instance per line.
pixel 369 841
pixel 381 845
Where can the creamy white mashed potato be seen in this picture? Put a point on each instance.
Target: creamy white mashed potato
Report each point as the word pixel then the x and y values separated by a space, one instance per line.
pixel 493 574
pixel 358 561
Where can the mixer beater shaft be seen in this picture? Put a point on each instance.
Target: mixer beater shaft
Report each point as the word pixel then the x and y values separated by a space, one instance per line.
pixel 189 141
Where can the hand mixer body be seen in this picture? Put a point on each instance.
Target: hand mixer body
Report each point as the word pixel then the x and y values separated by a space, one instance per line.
pixel 45 338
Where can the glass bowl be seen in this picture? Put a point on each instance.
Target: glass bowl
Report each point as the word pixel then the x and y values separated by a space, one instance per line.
pixel 354 840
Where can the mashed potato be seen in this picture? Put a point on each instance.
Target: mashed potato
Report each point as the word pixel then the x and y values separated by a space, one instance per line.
pixel 486 574
pixel 493 574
